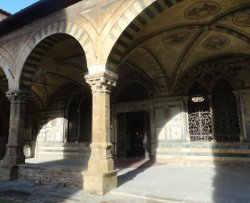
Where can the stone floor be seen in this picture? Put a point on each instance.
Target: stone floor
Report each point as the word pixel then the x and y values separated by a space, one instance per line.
pixel 146 181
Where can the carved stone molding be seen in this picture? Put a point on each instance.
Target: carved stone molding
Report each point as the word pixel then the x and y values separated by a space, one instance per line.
pixel 18 96
pixel 202 9
pixel 176 38
pixel 242 19
pixel 216 42
pixel 101 82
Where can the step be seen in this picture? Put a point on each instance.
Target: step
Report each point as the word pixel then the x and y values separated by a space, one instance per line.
pixel 64 151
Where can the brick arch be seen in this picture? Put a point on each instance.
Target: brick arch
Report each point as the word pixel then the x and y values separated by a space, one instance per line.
pixel 6 67
pixel 68 28
pixel 139 14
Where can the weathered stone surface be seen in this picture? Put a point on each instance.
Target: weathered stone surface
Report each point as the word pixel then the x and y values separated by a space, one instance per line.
pixel 100 176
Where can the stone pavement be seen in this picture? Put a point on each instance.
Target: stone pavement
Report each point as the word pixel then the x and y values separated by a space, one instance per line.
pixel 27 192
pixel 147 182
pixel 186 184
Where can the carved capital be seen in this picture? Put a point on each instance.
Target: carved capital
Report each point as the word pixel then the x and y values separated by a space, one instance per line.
pixel 18 96
pixel 101 82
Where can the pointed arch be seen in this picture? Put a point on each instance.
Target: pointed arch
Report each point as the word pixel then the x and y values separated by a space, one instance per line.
pixel 225 111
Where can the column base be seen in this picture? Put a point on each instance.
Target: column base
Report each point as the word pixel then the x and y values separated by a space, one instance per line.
pixel 99 183
pixel 8 173
pixel 13 160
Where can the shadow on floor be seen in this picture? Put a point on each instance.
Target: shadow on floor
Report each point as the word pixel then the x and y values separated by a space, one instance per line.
pixel 133 168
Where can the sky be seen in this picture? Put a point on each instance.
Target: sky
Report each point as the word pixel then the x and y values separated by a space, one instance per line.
pixel 13 6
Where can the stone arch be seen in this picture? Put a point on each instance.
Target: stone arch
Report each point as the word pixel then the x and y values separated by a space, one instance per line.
pixel 139 14
pixel 68 28
pixel 228 79
pixel 6 67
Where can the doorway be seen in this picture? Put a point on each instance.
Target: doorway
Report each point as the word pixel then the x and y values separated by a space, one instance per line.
pixel 133 135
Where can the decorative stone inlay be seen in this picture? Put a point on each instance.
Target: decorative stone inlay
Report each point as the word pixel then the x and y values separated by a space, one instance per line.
pixel 101 82
pixel 216 42
pixel 201 10
pixel 18 96
pixel 242 19
pixel 176 38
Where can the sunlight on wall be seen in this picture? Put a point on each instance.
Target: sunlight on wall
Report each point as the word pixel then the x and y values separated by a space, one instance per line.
pixel 170 121
pixel 55 130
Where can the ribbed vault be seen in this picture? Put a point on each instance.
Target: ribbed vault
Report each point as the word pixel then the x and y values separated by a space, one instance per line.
pixel 57 60
pixel 184 35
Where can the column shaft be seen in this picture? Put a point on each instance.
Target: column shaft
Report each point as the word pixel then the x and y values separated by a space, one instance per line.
pixel 14 149
pixel 100 176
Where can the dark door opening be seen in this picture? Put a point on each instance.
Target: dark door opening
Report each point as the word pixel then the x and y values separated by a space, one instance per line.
pixel 133 135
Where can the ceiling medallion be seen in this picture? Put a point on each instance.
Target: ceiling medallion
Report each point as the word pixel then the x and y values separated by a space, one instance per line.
pixel 216 42
pixel 242 19
pixel 176 38
pixel 201 10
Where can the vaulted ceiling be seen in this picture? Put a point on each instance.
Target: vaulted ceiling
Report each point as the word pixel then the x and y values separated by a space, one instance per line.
pixel 3 82
pixel 173 47
pixel 56 61
pixel 190 33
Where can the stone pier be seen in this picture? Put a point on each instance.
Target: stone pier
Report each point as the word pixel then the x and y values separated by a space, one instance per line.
pixel 100 176
pixel 14 149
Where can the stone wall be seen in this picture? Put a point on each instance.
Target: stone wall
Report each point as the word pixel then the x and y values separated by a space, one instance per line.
pixel 61 177
pixel 167 120
pixel 170 140
pixel 170 122
pixel 51 140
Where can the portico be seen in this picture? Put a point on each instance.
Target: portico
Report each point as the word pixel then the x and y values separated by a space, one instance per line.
pixel 99 80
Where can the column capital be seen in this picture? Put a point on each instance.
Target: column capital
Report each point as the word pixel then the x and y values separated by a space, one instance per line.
pixel 101 82
pixel 18 95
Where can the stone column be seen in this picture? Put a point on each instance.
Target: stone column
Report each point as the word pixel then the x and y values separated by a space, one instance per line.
pixel 14 149
pixel 100 176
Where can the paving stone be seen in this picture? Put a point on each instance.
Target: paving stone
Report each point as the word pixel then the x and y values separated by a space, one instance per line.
pixel 159 183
